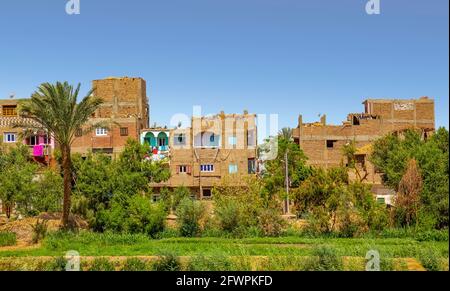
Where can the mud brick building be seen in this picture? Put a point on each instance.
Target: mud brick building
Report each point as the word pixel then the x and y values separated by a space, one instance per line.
pixel 40 143
pixel 212 148
pixel 125 111
pixel 323 143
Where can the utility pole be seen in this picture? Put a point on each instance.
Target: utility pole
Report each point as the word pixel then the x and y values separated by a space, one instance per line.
pixel 286 201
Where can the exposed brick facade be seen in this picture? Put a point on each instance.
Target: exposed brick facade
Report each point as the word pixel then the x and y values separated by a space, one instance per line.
pixel 234 147
pixel 125 107
pixel 323 144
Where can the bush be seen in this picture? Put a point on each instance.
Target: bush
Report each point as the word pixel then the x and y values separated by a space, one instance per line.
pixel 189 215
pixel 7 238
pixel 134 264
pixel 324 259
pixel 172 199
pixel 101 264
pixel 430 260
pixel 39 230
pixel 229 215
pixel 270 222
pixel 136 215
pixel 238 203
pixel 167 262
pixel 432 235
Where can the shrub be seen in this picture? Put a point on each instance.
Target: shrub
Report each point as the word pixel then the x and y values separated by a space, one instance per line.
pixel 189 215
pixel 229 215
pixel 167 262
pixel 7 238
pixel 238 203
pixel 172 199
pixel 430 259
pixel 101 264
pixel 270 222
pixel 39 230
pixel 136 215
pixel 432 235
pixel 134 264
pixel 324 259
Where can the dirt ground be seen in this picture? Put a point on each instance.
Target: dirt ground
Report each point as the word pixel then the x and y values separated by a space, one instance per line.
pixel 23 228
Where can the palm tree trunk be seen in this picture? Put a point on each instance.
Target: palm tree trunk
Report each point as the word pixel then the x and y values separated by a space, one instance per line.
pixel 67 173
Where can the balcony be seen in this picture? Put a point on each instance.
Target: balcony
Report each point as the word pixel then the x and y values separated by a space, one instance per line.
pixel 40 150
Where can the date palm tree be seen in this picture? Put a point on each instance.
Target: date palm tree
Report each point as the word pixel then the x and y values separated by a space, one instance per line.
pixel 55 109
pixel 286 133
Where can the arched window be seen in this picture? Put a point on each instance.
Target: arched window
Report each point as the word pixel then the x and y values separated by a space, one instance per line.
pixel 162 139
pixel 150 139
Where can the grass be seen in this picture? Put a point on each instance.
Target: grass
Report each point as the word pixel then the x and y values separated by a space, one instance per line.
pixel 93 244
pixel 7 239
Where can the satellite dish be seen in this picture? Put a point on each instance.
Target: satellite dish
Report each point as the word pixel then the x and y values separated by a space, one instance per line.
pixel 12 95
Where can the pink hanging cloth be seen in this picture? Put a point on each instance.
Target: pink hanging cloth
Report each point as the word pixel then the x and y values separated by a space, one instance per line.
pixel 38 150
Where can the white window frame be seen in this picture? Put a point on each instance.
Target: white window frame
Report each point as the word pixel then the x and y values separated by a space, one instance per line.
pixel 101 131
pixel 9 140
pixel 182 169
pixel 207 168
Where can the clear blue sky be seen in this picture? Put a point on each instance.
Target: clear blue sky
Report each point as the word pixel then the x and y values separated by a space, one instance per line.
pixel 268 56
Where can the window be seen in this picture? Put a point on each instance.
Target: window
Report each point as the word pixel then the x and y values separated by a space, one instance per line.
pixel 101 131
pixel 124 131
pixel 251 138
pixel 251 166
pixel 381 200
pixel 10 137
pixel 232 169
pixel 207 193
pixel 33 140
pixel 330 143
pixel 207 168
pixel 232 140
pixel 360 160
pixel 161 141
pixel 47 139
pixel 179 139
pixel 9 110
pixel 182 169
pixel 79 132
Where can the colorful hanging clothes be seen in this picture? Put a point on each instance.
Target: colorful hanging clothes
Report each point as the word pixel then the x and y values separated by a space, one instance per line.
pixel 38 150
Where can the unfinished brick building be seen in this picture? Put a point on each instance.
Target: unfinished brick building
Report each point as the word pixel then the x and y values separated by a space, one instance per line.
pixel 323 143
pixel 212 148
pixel 125 110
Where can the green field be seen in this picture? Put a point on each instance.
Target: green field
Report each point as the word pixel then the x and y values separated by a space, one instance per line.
pixel 112 245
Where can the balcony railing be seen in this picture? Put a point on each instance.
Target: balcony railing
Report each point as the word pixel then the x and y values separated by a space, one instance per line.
pixel 37 152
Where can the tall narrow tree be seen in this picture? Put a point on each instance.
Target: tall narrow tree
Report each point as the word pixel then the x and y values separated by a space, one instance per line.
pixel 54 107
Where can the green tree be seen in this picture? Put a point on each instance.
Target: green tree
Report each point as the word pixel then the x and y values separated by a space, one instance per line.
pixel 391 155
pixel 16 179
pixel 189 215
pixel 54 107
pixel 274 175
pixel 48 192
